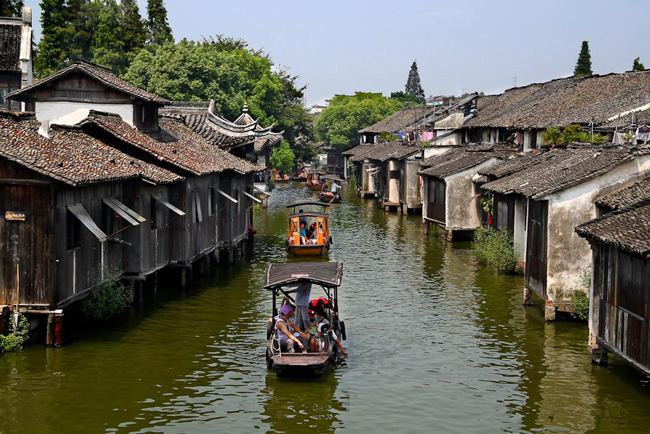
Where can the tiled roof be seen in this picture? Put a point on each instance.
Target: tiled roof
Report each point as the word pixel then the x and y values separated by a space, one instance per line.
pixel 385 151
pixel 357 150
pixel 626 197
pixel 10 47
pixel 628 229
pixel 99 73
pixel 174 144
pixel 455 161
pixel 565 101
pixel 560 169
pixel 516 163
pixel 69 155
pixel 399 121
pixel 269 140
pixel 197 122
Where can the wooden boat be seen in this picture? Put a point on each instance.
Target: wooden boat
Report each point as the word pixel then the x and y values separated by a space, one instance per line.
pixel 321 240
pixel 279 178
pixel 313 180
pixel 327 196
pixel 278 279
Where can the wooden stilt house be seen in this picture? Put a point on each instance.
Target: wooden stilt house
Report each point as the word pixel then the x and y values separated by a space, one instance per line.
pixel 619 297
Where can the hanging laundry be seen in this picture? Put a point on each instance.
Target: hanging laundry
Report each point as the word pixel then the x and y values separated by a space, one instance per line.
pixel 618 139
pixel 402 136
pixel 427 136
pixel 643 134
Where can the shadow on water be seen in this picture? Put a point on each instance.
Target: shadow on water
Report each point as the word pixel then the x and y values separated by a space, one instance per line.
pixel 437 342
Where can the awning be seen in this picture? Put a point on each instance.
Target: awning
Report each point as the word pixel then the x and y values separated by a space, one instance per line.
pixel 80 212
pixel 252 197
pixel 124 211
pixel 169 205
pixel 227 196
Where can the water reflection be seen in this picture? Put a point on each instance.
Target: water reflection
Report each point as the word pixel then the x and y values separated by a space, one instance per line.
pixel 295 405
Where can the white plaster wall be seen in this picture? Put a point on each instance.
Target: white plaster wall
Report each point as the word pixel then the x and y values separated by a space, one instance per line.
pixel 71 113
pixel 569 254
pixel 461 211
pixel 432 151
pixel 520 232
pixel 393 184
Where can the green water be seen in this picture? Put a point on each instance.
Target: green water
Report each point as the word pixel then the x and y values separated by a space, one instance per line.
pixel 437 343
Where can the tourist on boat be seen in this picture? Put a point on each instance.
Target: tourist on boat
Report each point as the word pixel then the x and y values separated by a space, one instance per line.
pixel 311 232
pixel 335 188
pixel 303 233
pixel 289 338
pixel 324 331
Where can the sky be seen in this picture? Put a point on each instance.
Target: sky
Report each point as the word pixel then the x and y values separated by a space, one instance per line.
pixel 339 47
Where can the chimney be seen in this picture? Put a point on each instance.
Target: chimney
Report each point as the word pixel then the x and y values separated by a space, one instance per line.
pixel 44 130
pixel 27 16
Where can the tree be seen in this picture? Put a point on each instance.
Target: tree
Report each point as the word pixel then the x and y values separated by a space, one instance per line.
pixel 583 67
pixel 11 8
pixel 339 124
pixel 283 158
pixel 232 75
pixel 413 86
pixel 573 133
pixel 637 65
pixel 158 28
pixel 134 28
pixel 406 99
pixel 52 51
pixel 108 42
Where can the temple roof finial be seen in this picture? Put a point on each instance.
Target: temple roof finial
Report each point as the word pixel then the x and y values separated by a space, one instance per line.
pixel 245 109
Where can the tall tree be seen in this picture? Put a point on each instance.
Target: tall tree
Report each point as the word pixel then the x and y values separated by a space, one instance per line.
pixel 11 8
pixel 583 67
pixel 637 65
pixel 108 42
pixel 413 86
pixel 158 28
pixel 134 28
pixel 52 52
pixel 82 19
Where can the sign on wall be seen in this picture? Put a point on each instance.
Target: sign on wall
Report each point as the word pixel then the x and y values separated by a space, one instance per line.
pixel 15 216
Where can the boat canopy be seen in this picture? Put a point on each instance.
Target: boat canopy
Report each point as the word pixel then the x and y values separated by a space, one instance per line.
pixel 305 203
pixel 327 274
pixel 332 178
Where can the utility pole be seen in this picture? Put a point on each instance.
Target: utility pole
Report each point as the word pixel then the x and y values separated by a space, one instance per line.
pixel 514 79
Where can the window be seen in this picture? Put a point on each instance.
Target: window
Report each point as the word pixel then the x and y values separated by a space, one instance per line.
pixel 108 218
pixel 196 199
pixel 502 215
pixel 73 231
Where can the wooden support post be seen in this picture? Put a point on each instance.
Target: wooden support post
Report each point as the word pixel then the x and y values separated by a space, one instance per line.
pixel 3 317
pixel 205 265
pixel 231 254
pixel 265 201
pixel 58 329
pixel 450 235
pixel 549 311
pixel 138 291
pixel 599 356
pixel 186 278
pixel 528 294
pixel 49 337
pixel 427 227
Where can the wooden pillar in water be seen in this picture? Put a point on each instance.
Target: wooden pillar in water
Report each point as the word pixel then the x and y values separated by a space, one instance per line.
pixel 528 293
pixel 549 311
pixel 186 277
pixel 58 329
pixel 49 336
pixel 427 227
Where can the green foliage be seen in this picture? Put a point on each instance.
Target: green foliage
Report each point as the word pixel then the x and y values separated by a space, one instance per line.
pixel 231 75
pixel 53 47
pixel 15 337
pixel 134 32
pixel 580 296
pixel 111 299
pixel 406 99
pixel 339 124
pixel 637 65
pixel 387 137
pixel 571 134
pixel 109 38
pixel 487 203
pixel 496 248
pixel 413 86
pixel 283 158
pixel 159 32
pixel 11 8
pixel 583 66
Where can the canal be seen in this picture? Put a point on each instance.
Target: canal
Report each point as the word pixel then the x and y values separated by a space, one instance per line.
pixel 436 341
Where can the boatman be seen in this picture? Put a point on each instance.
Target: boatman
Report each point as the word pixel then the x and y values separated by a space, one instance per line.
pixel 335 188
pixel 303 292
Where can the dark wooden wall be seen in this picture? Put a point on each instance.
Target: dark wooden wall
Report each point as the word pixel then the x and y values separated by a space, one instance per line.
pixel 503 213
pixel 436 199
pixel 622 292
pixel 80 268
pixel 536 247
pixel 79 87
pixel 29 243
